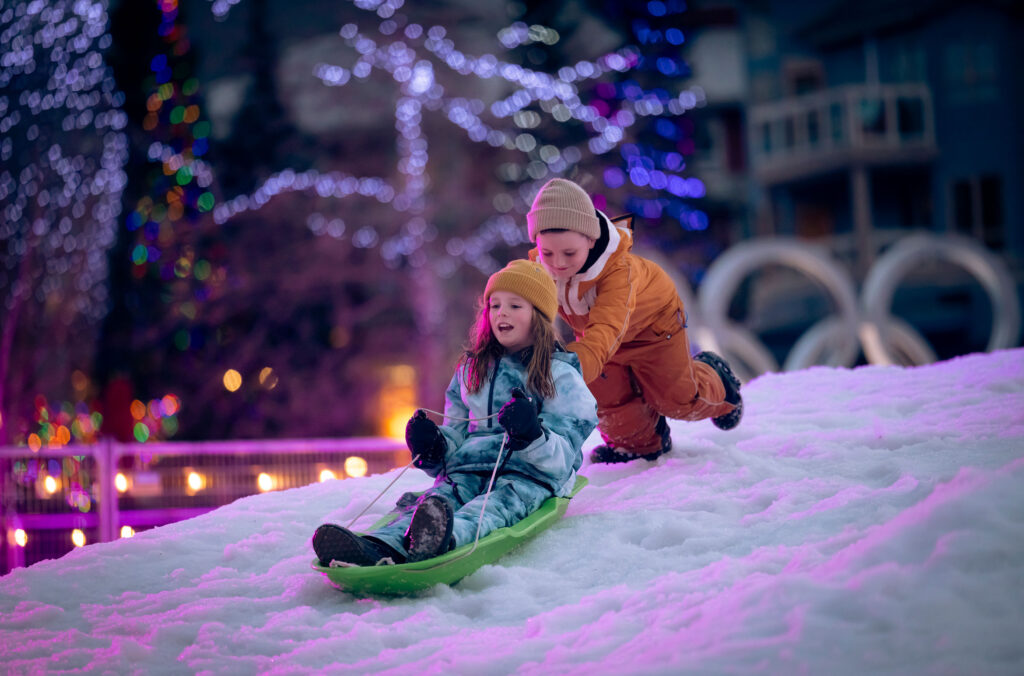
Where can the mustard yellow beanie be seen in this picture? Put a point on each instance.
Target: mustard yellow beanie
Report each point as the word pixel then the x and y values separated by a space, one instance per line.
pixel 529 280
pixel 562 205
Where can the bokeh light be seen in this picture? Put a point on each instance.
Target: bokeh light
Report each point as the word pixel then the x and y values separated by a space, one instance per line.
pixel 121 482
pixel 327 475
pixel 355 466
pixel 78 537
pixel 265 482
pixel 268 378
pixel 195 482
pixel 20 537
pixel 127 532
pixel 409 59
pixel 232 380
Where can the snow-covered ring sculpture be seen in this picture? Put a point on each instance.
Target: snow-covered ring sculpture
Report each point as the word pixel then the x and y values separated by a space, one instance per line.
pixel 877 334
pixel 837 340
pixel 831 341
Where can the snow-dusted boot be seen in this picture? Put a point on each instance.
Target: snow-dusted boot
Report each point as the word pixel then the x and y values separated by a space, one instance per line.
pixel 732 389
pixel 334 543
pixel 607 453
pixel 430 532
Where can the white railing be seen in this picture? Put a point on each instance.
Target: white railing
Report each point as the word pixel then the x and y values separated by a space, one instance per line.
pixel 112 485
pixel 840 125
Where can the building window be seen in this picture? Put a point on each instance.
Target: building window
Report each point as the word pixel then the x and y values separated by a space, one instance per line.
pixel 971 70
pixel 977 209
pixel 990 189
pixel 910 117
pixel 906 65
pixel 761 38
pixel 803 76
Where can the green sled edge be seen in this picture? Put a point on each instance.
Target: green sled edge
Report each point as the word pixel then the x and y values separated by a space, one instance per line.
pixel 449 568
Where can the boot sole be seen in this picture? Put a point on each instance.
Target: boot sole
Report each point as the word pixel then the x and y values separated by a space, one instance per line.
pixel 732 418
pixel 430 531
pixel 334 543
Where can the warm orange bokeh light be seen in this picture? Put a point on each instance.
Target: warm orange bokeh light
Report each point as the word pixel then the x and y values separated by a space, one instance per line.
pixel 327 475
pixel 355 466
pixel 265 482
pixel 196 482
pixel 78 537
pixel 397 398
pixel 232 380
pixel 394 424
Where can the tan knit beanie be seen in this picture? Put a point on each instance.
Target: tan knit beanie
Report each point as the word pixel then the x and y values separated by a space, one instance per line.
pixel 529 280
pixel 562 205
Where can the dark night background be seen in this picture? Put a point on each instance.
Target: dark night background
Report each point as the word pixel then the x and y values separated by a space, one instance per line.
pixel 324 232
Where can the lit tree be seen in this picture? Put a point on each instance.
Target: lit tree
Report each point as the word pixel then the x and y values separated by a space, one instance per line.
pixel 434 130
pixel 475 134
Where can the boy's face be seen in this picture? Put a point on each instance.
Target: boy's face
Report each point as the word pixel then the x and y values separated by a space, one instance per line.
pixel 563 253
pixel 511 318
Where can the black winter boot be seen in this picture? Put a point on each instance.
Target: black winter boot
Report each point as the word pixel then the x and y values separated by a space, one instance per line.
pixel 430 532
pixel 606 453
pixel 334 543
pixel 732 389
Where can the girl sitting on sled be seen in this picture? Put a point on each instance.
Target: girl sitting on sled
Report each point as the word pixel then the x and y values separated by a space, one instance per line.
pixel 514 363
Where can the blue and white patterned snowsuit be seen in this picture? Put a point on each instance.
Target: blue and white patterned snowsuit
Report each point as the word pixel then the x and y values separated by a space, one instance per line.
pixel 527 477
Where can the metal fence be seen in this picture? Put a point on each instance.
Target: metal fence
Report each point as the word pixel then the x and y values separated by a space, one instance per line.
pixel 55 499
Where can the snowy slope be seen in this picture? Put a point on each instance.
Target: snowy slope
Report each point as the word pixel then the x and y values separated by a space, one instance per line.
pixel 858 521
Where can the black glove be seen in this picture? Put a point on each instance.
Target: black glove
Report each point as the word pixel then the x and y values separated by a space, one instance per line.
pixel 519 418
pixel 424 440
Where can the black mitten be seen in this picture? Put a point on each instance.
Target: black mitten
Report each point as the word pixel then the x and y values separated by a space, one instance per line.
pixel 424 440
pixel 519 418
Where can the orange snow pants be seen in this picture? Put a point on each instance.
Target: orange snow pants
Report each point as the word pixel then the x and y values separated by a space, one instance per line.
pixel 652 376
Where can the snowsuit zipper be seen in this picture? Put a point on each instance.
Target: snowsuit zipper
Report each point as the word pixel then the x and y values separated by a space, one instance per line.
pixel 490 397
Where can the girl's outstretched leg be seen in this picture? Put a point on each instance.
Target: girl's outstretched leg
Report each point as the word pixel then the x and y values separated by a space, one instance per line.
pixel 511 500
pixel 334 543
pixel 430 532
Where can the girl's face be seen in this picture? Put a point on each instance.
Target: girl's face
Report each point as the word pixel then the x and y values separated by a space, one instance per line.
pixel 511 319
pixel 563 253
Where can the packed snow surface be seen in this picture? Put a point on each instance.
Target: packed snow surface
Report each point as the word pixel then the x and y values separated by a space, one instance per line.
pixel 857 521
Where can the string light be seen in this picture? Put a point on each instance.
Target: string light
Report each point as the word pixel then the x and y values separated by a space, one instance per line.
pixel 409 54
pixel 62 155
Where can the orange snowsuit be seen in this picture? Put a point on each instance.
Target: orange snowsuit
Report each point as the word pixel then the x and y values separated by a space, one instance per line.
pixel 630 328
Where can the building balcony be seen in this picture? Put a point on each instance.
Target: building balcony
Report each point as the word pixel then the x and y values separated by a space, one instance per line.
pixel 840 128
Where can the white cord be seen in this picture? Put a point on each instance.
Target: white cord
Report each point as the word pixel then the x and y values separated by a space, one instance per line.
pixel 490 485
pixel 455 417
pixel 483 507
pixel 379 495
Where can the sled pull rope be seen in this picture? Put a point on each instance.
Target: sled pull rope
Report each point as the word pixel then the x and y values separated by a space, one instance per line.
pixel 483 507
pixel 455 417
pixel 386 488
pixel 479 521
pixel 490 485
pixel 379 495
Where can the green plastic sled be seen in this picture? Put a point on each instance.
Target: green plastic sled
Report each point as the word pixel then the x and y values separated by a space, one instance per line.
pixel 449 568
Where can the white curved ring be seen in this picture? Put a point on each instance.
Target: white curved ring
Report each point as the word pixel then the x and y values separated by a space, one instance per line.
pixel 835 343
pixel 910 252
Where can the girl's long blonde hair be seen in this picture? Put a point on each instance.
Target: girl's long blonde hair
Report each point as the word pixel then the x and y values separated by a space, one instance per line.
pixel 483 352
